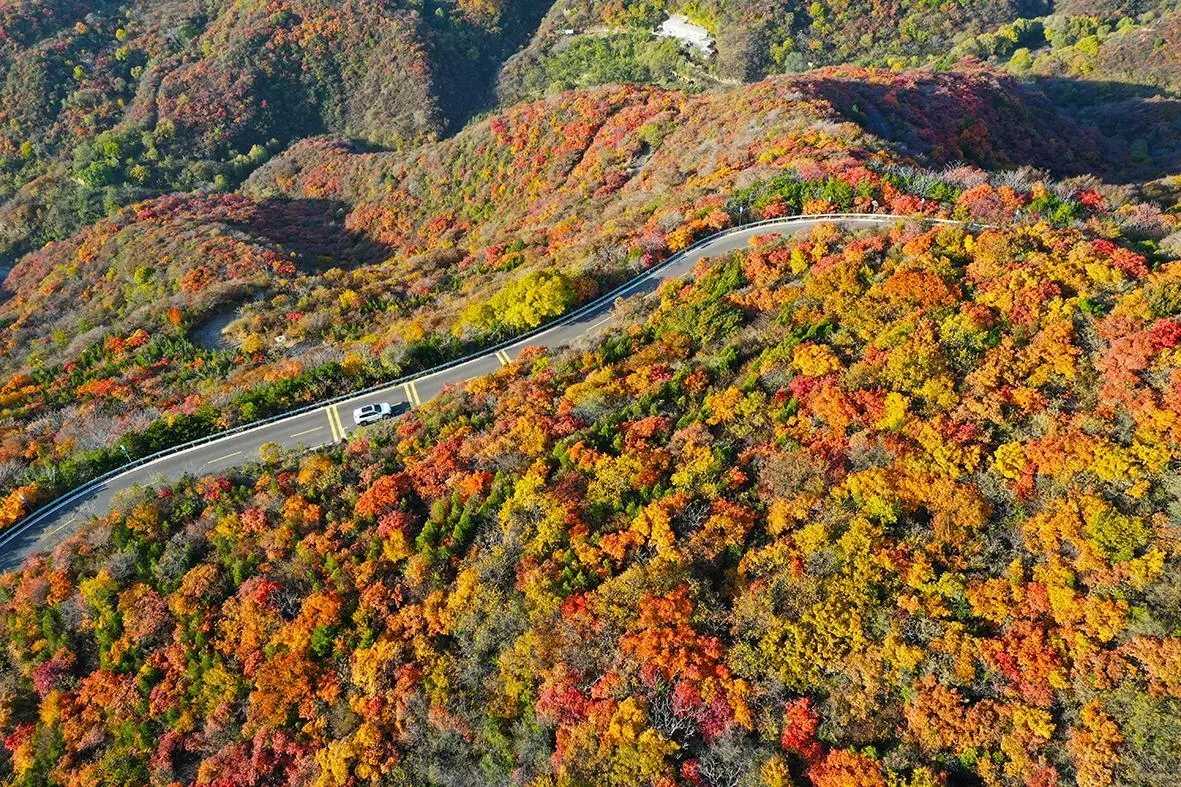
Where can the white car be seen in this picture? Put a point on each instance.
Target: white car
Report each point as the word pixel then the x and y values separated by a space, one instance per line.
pixel 372 413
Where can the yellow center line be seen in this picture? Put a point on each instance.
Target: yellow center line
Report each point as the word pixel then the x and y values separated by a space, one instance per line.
pixel 331 424
pixel 503 357
pixel 412 394
pixel 339 424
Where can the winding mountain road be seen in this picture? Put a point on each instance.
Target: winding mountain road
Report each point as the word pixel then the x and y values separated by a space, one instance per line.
pixel 330 422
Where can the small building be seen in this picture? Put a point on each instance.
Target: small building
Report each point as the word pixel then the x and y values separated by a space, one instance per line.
pixel 688 33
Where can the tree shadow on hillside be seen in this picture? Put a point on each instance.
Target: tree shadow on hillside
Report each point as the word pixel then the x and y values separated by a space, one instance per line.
pixel 467 65
pixel 1140 124
pixel 1120 132
pixel 315 232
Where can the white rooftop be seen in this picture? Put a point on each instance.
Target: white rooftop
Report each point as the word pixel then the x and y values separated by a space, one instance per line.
pixel 679 27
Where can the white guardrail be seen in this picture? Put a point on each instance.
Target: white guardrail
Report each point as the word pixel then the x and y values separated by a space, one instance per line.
pixel 49 509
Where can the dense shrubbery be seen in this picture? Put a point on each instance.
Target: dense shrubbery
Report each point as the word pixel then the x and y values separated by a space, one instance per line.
pixel 346 267
pixel 894 508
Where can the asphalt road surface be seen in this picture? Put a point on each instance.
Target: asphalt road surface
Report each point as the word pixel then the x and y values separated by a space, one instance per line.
pixel 334 422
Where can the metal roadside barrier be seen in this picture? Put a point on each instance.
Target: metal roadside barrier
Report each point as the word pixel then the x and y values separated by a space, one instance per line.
pixel 52 507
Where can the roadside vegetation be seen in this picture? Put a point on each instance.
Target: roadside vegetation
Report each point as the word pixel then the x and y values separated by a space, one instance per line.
pixel 341 267
pixel 887 508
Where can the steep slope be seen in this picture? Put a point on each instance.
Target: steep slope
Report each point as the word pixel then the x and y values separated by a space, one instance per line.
pixel 343 266
pixel 894 508
pixel 1113 64
pixel 1115 67
pixel 106 103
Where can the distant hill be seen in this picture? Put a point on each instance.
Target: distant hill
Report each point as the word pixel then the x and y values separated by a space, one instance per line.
pixel 580 43
pixel 1115 66
pixel 105 103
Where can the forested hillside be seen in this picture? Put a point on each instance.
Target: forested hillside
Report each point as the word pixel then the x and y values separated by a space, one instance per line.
pixel 582 43
pixel 339 267
pixel 893 508
pixel 104 104
pixel 1113 64
pixel 1130 43
pixel 888 508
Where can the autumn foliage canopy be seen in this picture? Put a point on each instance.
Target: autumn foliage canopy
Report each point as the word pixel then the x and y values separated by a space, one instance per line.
pixel 882 508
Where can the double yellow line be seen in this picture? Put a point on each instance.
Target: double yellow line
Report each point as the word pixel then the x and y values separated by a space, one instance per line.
pixel 503 357
pixel 334 423
pixel 411 394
